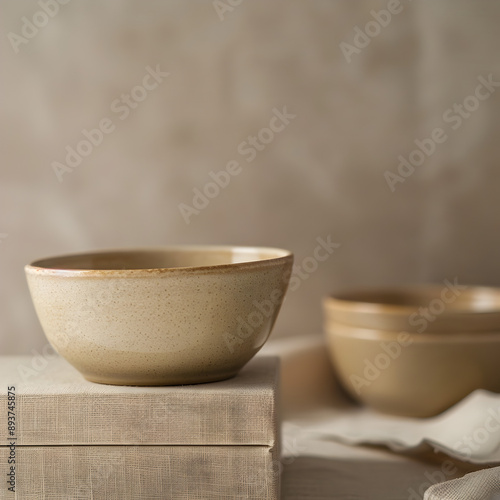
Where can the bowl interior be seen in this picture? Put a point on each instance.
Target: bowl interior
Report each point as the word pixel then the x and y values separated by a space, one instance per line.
pixel 174 257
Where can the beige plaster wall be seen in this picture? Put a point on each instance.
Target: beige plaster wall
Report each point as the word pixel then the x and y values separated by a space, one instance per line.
pixel 323 175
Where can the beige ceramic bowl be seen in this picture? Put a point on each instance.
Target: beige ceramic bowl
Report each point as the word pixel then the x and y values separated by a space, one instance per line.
pixel 449 307
pixel 177 315
pixel 416 375
pixel 417 350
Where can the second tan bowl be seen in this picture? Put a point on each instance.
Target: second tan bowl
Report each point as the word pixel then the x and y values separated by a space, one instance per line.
pixel 415 375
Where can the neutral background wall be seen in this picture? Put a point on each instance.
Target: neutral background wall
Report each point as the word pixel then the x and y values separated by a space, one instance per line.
pixel 323 175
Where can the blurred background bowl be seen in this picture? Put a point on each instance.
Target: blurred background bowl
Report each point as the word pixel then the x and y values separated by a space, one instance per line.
pixel 415 351
pixel 414 375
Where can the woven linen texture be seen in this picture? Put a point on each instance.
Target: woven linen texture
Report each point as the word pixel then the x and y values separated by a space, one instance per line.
pixel 480 485
pixel 58 406
pixel 144 472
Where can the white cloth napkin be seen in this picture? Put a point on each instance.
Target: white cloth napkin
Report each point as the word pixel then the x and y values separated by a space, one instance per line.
pixel 316 410
pixel 481 485
pixel 469 431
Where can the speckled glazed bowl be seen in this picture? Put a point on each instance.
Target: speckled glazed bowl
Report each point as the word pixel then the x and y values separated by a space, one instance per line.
pixel 177 315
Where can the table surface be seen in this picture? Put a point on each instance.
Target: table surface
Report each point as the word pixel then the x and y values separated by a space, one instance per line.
pixel 320 469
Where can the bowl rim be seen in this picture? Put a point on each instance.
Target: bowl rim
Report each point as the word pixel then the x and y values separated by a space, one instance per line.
pixel 387 336
pixel 341 302
pixel 41 267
